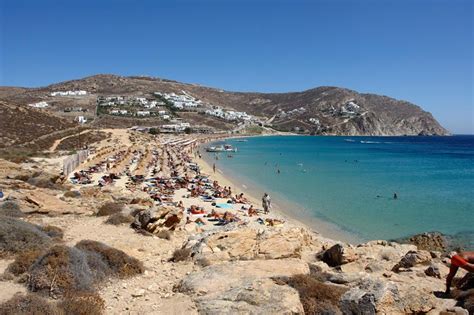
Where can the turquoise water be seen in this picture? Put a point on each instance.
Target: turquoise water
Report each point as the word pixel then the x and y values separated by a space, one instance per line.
pixel 350 181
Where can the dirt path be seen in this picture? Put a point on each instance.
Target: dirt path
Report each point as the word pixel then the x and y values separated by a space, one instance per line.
pixel 58 141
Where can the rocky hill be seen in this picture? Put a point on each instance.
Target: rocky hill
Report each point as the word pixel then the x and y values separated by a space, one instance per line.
pixel 322 110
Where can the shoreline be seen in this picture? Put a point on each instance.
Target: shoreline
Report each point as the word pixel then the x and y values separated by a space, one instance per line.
pixel 325 229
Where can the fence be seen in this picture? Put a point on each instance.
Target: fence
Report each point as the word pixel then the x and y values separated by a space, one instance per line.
pixel 71 162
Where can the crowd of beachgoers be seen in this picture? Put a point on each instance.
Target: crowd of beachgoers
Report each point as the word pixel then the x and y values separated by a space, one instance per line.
pixel 166 171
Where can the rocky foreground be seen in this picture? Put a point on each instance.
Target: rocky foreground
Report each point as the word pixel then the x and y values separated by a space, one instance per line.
pixel 152 260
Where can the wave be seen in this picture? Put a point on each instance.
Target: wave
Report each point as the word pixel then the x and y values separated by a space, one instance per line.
pixel 370 142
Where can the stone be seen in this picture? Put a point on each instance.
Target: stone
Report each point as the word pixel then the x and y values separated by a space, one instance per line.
pixel 221 277
pixel 431 241
pixel 253 297
pixel 248 244
pixel 433 271
pixel 413 258
pixel 338 255
pixel 138 293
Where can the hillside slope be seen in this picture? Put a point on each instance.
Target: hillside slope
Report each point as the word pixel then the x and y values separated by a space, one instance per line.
pixel 322 110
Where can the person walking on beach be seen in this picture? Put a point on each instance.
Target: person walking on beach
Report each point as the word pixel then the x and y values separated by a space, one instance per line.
pixel 464 260
pixel 266 203
pixel 214 167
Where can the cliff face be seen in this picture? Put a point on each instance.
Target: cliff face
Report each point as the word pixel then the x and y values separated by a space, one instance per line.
pixel 323 110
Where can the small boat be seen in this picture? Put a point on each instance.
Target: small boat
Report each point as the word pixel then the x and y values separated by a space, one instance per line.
pixel 221 148
pixel 215 149
pixel 349 140
pixel 229 148
pixel 241 140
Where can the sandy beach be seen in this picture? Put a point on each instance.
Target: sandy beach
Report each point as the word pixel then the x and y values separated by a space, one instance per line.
pixel 196 251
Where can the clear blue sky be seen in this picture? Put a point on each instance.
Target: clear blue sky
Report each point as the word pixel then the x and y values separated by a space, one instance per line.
pixel 420 51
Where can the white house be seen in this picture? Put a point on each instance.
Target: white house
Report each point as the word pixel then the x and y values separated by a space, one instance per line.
pixel 81 119
pixel 42 104
pixel 143 113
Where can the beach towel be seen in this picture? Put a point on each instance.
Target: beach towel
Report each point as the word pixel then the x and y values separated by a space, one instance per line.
pixel 224 206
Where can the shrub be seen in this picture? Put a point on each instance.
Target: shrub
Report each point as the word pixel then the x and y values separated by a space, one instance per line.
pixel 11 209
pixel 181 254
pixel 23 261
pixel 119 218
pixel 65 271
pixel 109 208
pixel 45 181
pixel 18 236
pixel 53 231
pixel 72 194
pixel 118 263
pixel 315 296
pixel 59 271
pixel 21 304
pixel 82 303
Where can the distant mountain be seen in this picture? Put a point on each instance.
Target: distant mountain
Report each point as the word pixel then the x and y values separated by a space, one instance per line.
pixel 322 110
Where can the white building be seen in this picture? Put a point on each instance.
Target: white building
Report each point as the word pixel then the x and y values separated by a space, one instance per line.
pixel 81 119
pixel 143 113
pixel 69 93
pixel 42 104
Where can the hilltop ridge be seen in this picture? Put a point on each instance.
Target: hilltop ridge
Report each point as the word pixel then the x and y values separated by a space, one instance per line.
pixel 324 110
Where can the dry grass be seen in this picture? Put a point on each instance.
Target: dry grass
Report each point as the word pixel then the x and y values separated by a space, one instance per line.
pixel 53 231
pixel 11 209
pixel 82 303
pixel 315 296
pixel 109 208
pixel 28 304
pixel 17 236
pixel 45 181
pixel 181 254
pixel 72 194
pixel 61 270
pixel 118 263
pixel 119 218
pixel 23 261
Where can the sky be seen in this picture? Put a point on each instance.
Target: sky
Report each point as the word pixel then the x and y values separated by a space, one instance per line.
pixel 416 50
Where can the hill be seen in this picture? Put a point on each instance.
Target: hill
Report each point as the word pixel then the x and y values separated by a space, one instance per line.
pixel 322 110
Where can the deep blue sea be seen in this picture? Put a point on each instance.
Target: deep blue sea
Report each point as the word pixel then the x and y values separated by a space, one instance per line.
pixel 350 181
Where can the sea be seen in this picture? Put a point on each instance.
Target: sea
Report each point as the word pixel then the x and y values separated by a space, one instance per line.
pixel 369 187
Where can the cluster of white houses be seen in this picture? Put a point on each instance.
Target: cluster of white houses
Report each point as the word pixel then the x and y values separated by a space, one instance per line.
pixel 228 114
pixel 182 101
pixel 69 93
pixel 132 106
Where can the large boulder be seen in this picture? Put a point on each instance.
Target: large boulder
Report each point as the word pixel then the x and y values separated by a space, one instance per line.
pixel 261 296
pixel 374 296
pixel 431 241
pixel 248 244
pixel 338 255
pixel 245 287
pixel 218 278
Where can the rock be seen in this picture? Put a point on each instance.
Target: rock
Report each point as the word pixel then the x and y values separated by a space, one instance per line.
pixel 138 293
pixel 221 277
pixel 374 295
pixel 413 258
pixel 262 296
pixel 248 244
pixel 338 255
pixel 433 271
pixel 432 241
